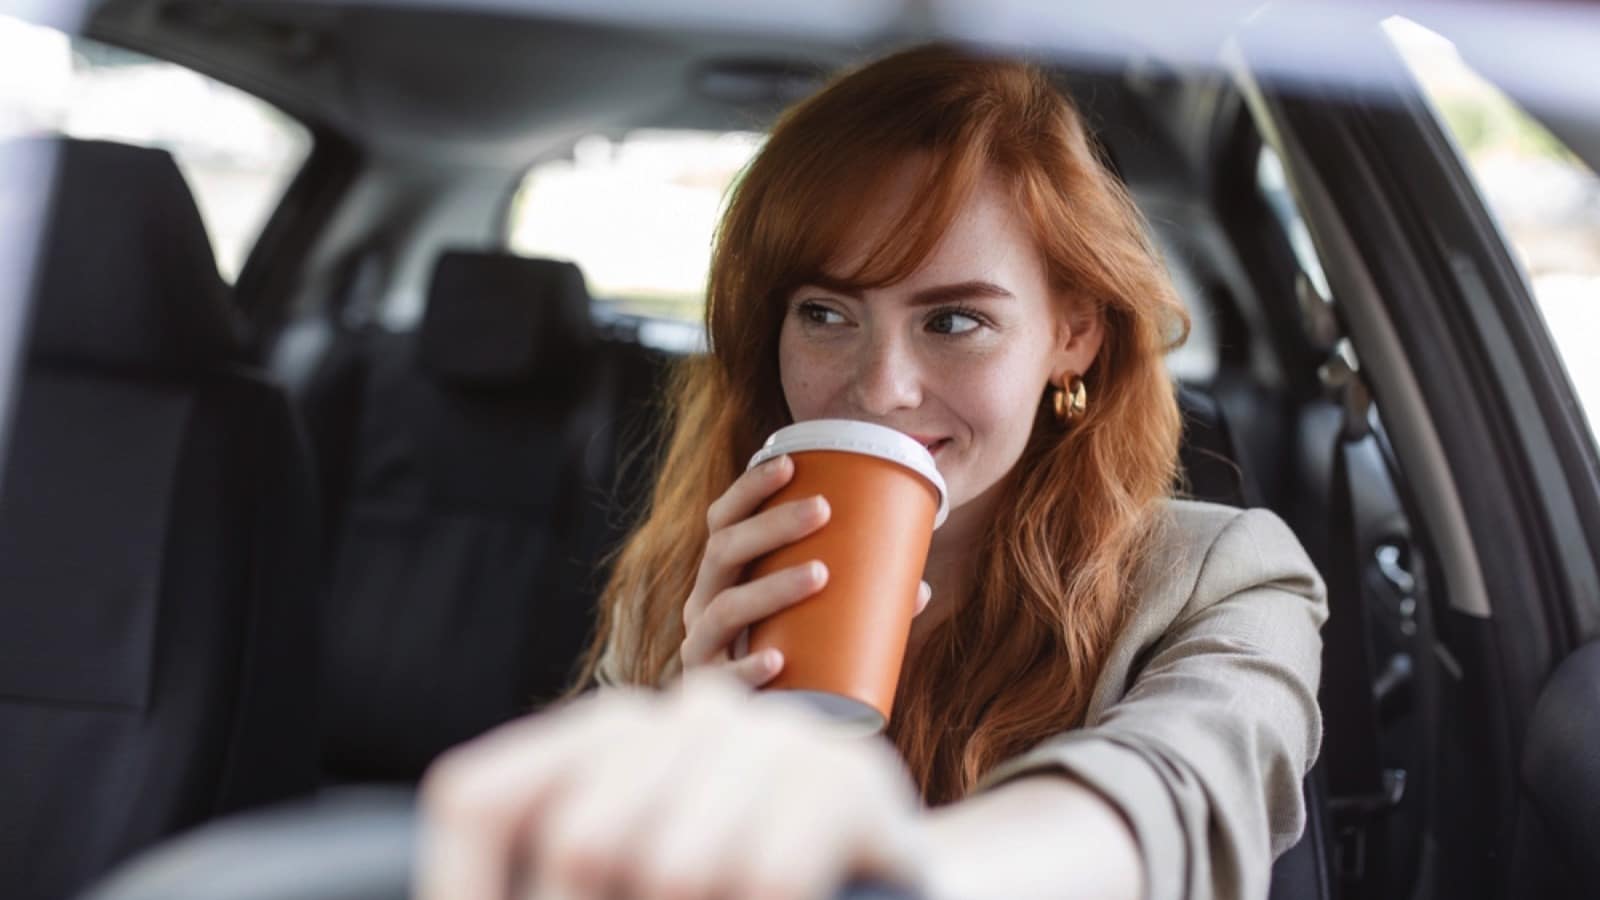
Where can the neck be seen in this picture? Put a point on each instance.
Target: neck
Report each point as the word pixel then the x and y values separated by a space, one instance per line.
pixel 952 563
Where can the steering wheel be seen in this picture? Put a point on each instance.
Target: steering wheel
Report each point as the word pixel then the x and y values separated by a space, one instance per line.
pixel 350 844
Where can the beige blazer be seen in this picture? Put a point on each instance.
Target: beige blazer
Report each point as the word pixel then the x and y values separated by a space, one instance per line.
pixel 1205 718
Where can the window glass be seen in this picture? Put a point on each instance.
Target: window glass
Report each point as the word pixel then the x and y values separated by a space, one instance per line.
pixel 636 214
pixel 1274 187
pixel 1196 360
pixel 1546 200
pixel 236 152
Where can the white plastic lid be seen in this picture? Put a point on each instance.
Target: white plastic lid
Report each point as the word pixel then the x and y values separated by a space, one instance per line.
pixel 851 436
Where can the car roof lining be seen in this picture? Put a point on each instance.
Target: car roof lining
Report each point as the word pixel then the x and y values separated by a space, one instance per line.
pixel 500 90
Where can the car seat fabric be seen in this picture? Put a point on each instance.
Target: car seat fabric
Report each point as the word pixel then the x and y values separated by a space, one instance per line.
pixel 469 540
pixel 498 320
pixel 157 543
pixel 1207 454
pixel 128 268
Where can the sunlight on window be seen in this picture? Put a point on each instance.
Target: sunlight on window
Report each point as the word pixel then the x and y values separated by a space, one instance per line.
pixel 1546 200
pixel 1274 186
pixel 637 215
pixel 236 152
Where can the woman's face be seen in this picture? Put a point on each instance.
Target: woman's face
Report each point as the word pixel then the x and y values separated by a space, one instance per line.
pixel 957 355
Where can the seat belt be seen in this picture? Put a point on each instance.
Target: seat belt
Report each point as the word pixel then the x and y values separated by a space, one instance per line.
pixel 1360 789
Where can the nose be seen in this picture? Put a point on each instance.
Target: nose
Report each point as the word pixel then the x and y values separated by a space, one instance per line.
pixel 887 377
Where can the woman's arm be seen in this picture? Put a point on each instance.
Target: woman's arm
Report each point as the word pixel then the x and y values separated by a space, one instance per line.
pixel 700 793
pixel 1204 752
pixel 1039 836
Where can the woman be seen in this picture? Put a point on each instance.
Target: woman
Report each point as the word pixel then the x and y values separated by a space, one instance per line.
pixel 1108 692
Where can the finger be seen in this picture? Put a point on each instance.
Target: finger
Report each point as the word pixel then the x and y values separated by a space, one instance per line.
pixel 757 669
pixel 731 549
pixel 708 688
pixel 478 799
pixel 924 596
pixel 737 608
pixel 748 490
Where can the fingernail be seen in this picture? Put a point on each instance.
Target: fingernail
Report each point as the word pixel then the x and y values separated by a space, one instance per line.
pixel 819 503
pixel 816 571
pixel 777 463
pixel 771 660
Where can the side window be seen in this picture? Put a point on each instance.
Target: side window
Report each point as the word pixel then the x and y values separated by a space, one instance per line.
pixel 636 214
pixel 1546 200
pixel 237 152
pixel 1312 294
pixel 1196 361
pixel 1274 187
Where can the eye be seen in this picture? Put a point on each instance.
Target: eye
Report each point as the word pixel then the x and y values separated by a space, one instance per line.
pixel 955 321
pixel 814 313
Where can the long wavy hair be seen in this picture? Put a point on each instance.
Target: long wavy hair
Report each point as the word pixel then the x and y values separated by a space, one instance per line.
pixel 1017 661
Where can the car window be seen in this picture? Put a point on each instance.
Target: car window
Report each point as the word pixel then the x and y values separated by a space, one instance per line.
pixel 1545 199
pixel 1196 360
pixel 236 152
pixel 636 214
pixel 1274 187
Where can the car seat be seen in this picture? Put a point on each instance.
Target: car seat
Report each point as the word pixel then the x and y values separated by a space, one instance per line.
pixel 157 542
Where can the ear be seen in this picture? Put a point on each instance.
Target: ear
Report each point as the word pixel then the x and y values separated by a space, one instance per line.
pixel 1078 339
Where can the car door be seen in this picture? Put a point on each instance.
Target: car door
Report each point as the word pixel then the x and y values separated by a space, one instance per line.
pixel 1500 471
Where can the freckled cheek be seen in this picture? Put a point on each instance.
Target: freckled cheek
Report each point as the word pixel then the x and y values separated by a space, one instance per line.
pixel 808 383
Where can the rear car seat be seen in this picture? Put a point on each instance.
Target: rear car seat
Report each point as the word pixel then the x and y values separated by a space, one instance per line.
pixel 471 462
pixel 158 543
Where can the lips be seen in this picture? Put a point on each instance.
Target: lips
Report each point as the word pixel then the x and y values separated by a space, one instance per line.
pixel 933 444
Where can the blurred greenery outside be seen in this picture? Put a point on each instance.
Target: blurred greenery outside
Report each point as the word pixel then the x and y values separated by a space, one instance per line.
pixel 1486 125
pixel 1546 200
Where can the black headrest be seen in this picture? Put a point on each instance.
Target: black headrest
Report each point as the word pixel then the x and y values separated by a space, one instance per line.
pixel 127 277
pixel 1208 454
pixel 494 319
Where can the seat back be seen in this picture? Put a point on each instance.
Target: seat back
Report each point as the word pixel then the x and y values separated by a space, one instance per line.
pixel 157 543
pixel 472 474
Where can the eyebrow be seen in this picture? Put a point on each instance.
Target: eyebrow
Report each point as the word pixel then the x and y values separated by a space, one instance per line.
pixel 961 290
pixel 931 296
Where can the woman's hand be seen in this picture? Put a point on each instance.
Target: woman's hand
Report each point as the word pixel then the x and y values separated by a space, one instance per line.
pixel 703 792
pixel 719 608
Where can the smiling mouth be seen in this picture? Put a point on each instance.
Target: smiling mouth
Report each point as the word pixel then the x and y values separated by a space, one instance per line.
pixel 931 444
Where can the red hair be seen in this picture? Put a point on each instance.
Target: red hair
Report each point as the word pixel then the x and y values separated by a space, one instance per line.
pixel 1018 659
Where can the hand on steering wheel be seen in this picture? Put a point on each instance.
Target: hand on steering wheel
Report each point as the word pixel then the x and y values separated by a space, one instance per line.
pixel 692 794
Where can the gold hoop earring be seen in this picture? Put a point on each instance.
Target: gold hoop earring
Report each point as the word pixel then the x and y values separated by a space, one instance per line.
pixel 1070 399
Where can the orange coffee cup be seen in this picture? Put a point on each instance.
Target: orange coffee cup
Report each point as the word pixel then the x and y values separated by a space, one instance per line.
pixel 843 646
